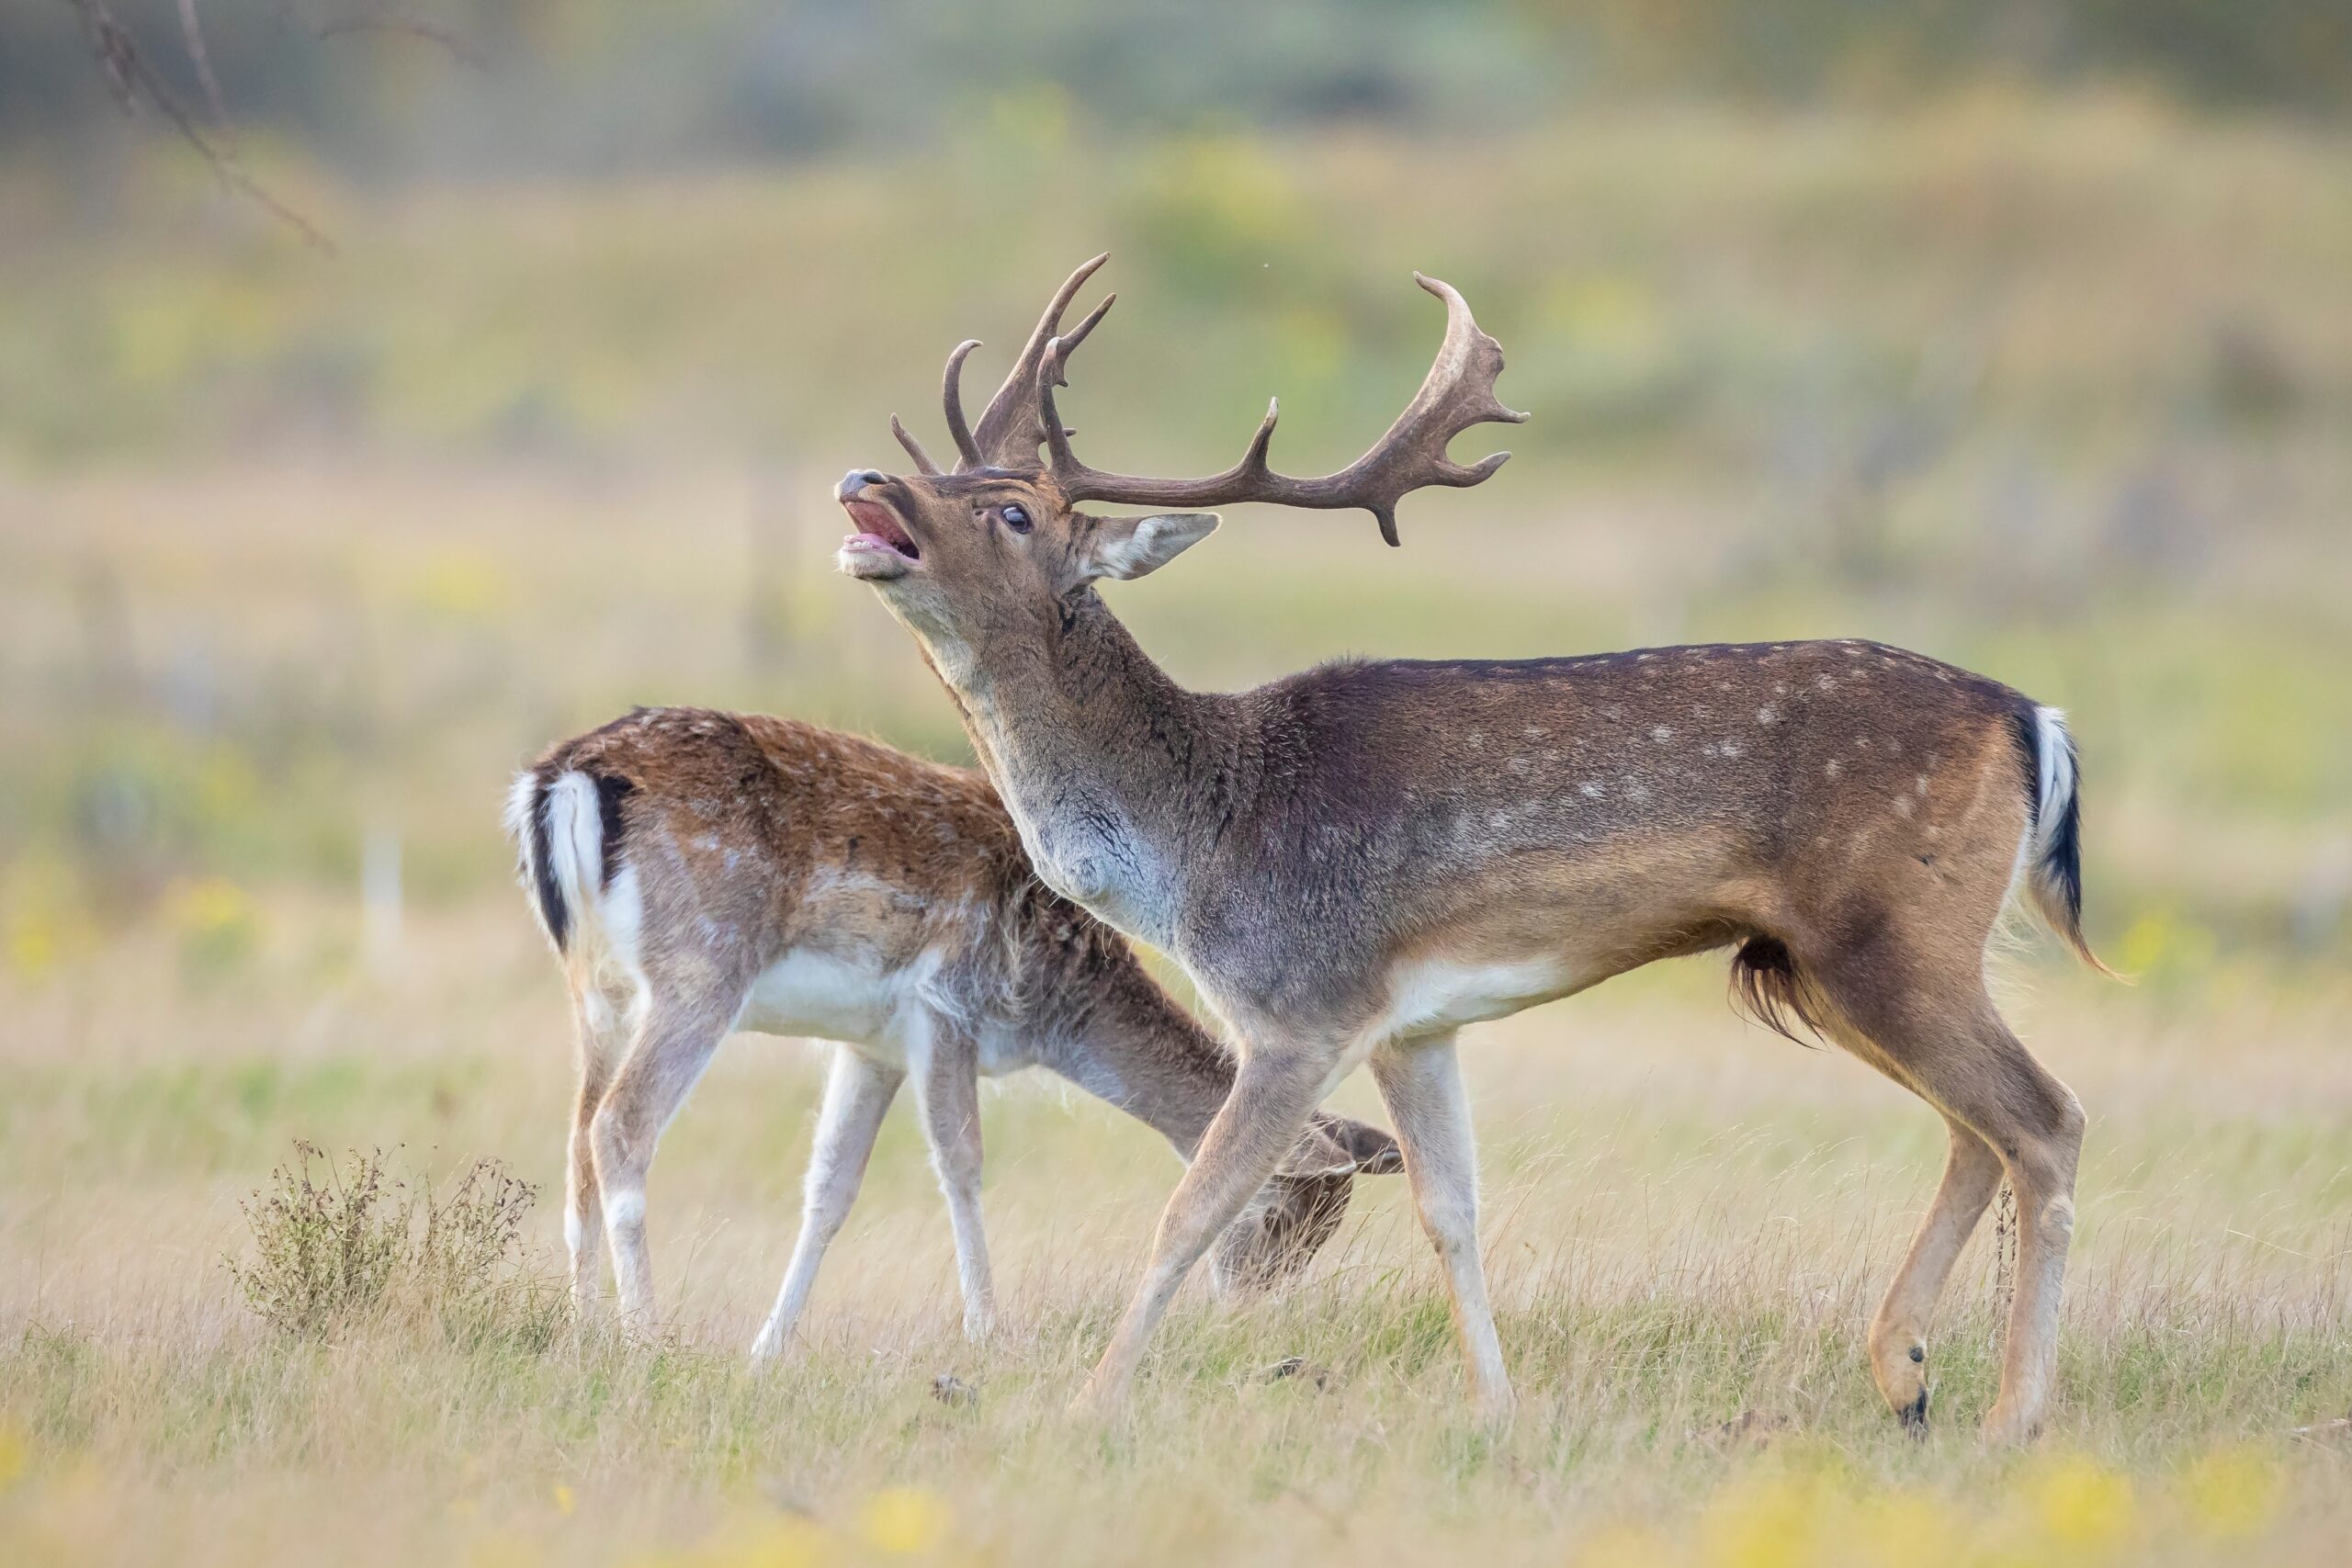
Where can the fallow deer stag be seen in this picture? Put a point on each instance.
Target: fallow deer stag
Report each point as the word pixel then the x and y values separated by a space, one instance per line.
pixel 1354 861
pixel 700 871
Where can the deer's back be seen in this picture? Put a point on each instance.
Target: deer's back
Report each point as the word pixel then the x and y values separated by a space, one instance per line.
pixel 1669 798
pixel 772 835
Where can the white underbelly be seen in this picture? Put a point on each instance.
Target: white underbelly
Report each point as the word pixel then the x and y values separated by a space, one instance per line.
pixel 828 997
pixel 884 1014
pixel 1430 996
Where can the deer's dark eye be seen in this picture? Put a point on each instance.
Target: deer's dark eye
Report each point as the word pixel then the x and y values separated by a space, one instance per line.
pixel 1016 517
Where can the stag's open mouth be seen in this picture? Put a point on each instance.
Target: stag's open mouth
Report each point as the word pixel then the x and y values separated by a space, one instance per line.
pixel 881 550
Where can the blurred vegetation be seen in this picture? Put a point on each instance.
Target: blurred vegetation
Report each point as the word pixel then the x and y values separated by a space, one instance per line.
pixel 2020 334
pixel 592 86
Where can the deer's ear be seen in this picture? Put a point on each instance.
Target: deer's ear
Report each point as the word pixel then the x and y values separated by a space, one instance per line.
pixel 1316 1157
pixel 1377 1153
pixel 1130 547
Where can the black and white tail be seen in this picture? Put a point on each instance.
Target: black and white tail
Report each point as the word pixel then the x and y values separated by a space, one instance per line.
pixel 566 832
pixel 2053 855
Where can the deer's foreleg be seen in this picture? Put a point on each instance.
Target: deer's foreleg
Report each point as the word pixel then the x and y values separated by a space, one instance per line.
pixel 1272 1095
pixel 858 1092
pixel 947 1093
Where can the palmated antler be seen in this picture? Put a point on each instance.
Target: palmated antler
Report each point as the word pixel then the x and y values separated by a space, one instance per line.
pixel 1458 392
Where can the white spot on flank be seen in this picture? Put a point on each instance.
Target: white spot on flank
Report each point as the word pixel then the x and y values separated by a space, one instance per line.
pixel 1826 682
pixel 1921 784
pixel 1590 790
pixel 1732 748
pixel 1766 715
pixel 1903 806
pixel 1661 734
pixel 1833 769
pixel 1636 791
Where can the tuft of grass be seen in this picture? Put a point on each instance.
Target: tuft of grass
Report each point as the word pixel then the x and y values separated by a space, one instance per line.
pixel 340 1242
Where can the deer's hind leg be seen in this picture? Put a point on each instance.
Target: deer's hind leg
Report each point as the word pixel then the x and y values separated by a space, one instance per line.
pixel 600 1028
pixel 684 1018
pixel 1921 1014
pixel 1421 1083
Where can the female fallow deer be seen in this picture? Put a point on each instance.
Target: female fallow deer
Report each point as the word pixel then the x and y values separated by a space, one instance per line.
pixel 1355 862
pixel 702 872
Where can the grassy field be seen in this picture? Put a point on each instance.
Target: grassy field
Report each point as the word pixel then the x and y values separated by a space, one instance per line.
pixel 298 561
pixel 1687 1221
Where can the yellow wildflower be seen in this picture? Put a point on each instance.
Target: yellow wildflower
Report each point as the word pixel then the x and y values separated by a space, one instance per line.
pixel 902 1521
pixel 1765 1523
pixel 2233 1492
pixel 2083 1503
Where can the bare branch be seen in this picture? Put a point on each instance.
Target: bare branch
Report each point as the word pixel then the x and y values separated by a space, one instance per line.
pixel 132 79
pixel 384 19
pixel 202 60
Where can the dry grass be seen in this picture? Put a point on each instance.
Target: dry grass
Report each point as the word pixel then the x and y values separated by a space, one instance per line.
pixel 1687 1220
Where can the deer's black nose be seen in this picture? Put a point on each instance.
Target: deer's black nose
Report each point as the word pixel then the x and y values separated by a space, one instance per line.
pixel 857 480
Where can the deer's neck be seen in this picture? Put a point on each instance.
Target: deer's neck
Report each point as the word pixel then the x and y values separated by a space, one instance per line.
pixel 1109 768
pixel 1126 1041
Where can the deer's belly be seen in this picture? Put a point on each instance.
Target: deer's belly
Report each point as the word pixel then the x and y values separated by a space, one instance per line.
pixel 830 997
pixel 1430 995
pixel 887 1016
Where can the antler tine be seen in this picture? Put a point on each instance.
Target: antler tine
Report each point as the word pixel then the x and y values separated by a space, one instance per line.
pixel 923 465
pixel 1458 392
pixel 1012 426
pixel 951 395
pixel 1066 345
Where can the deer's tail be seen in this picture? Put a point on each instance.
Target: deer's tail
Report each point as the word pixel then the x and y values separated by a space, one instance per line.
pixel 565 825
pixel 2051 857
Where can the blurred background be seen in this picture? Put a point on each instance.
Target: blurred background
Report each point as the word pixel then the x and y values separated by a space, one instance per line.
pixel 2017 333
pixel 397 388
